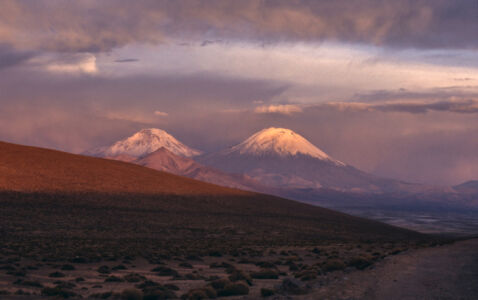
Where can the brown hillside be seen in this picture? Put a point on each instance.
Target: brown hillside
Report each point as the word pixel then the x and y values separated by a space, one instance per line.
pixel 31 169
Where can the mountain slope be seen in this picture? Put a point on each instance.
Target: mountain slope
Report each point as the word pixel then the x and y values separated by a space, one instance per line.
pixel 84 190
pixel 281 158
pixel 469 187
pixel 164 160
pixel 144 142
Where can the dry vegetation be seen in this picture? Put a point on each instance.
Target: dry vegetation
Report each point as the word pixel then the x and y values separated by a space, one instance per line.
pixel 76 226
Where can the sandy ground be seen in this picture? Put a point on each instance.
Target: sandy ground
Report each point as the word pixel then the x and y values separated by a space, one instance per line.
pixel 444 272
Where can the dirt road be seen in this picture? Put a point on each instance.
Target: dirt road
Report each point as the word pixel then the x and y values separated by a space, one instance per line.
pixel 444 272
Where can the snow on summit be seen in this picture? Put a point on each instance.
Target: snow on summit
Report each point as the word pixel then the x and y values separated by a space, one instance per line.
pixel 282 142
pixel 147 141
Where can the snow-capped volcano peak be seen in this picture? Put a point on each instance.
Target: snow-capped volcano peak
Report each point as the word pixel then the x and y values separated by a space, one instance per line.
pixel 147 141
pixel 282 142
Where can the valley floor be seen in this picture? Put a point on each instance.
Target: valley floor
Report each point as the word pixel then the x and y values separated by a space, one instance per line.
pixel 448 271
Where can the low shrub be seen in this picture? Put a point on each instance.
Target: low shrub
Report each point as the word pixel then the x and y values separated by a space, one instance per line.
pixel 220 283
pixel 265 274
pixel 360 262
pixel 165 271
pixel 68 267
pixel 267 292
pixel 186 265
pixel 333 265
pixel 58 292
pixel 234 289
pixel 293 287
pixel 113 279
pixel 134 277
pixel 306 275
pixel 131 294
pixel 206 292
pixel 239 275
pixel 56 274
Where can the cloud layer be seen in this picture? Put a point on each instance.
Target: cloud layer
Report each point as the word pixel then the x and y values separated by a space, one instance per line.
pixel 98 26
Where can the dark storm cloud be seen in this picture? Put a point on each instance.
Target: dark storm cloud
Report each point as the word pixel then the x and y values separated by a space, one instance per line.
pixel 97 26
pixel 10 57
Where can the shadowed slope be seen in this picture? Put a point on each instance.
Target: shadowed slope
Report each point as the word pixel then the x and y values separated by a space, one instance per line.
pixel 74 204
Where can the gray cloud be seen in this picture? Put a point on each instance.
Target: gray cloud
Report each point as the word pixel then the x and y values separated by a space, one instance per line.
pixel 97 26
pixel 126 60
pixel 10 57
pixel 467 106
pixel 454 106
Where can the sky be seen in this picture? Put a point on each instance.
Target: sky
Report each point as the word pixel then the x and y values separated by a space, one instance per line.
pixel 390 87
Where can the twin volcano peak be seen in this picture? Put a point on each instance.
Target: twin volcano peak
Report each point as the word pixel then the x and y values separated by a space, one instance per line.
pixel 272 141
pixel 147 141
pixel 279 141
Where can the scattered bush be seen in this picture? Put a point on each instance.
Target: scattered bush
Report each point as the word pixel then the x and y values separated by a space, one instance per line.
pixel 165 271
pixel 221 265
pixel 265 264
pixel 360 262
pixel 206 292
pixel 265 274
pixel 134 277
pixel 215 253
pixel 29 283
pixel 104 295
pixel 267 292
pixel 22 292
pixel 191 276
pixel 186 265
pixel 56 274
pixel 293 287
pixel 113 279
pixel 234 289
pixel 306 275
pixel 64 285
pixel 220 283
pixel 158 294
pixel 56 291
pixel 131 294
pixel 171 287
pixel 119 267
pixel 104 270
pixel 238 275
pixel 333 265
pixel 68 268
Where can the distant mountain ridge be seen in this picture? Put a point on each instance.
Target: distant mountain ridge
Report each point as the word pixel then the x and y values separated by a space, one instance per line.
pixel 279 161
pixel 164 160
pixel 470 187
